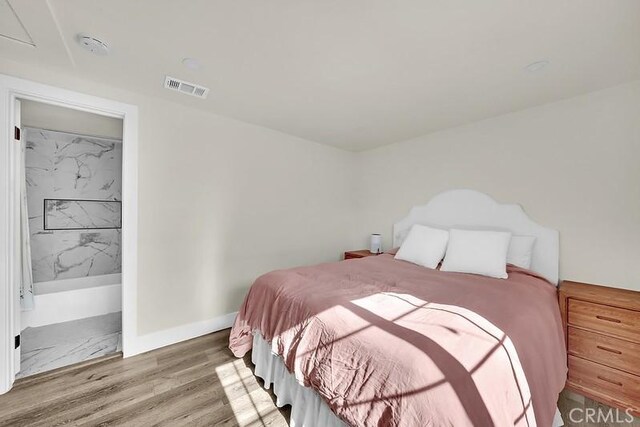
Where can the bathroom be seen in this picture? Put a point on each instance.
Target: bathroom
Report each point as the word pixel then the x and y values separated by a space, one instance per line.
pixel 71 293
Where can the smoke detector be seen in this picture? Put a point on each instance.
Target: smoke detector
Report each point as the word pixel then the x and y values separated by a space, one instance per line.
pixel 92 44
pixel 181 86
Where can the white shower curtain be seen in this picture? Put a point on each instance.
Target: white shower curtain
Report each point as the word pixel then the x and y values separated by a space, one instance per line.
pixel 26 283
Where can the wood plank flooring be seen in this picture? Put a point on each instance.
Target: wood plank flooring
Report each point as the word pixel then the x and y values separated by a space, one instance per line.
pixel 197 382
pixel 589 413
pixel 194 383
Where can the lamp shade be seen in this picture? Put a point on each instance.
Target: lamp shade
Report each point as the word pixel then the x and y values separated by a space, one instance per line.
pixel 376 244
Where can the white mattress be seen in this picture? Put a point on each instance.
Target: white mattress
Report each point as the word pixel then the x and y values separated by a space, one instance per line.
pixel 307 407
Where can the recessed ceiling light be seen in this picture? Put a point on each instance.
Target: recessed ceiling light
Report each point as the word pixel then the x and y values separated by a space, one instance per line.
pixel 536 66
pixel 92 44
pixel 191 63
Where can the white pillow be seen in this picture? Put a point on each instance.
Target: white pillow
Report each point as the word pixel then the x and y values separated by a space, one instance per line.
pixel 424 246
pixel 521 251
pixel 477 252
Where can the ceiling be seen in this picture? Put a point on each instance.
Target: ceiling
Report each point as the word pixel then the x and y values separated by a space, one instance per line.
pixel 355 74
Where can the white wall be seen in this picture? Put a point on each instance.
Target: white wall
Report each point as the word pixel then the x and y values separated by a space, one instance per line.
pixel 45 116
pixel 573 165
pixel 221 202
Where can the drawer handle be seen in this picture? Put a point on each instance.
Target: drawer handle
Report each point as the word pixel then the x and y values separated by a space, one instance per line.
pixel 608 319
pixel 618 383
pixel 610 350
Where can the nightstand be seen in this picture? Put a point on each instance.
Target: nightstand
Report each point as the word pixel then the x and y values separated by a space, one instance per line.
pixel 361 253
pixel 602 330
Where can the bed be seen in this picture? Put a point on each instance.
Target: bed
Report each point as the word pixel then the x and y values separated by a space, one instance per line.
pixel 378 341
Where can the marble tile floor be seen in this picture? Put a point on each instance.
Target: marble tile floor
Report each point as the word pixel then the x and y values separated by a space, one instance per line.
pixel 52 346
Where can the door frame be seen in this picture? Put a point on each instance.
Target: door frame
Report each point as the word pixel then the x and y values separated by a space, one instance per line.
pixel 12 88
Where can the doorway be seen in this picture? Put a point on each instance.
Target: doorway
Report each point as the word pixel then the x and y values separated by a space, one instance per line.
pixel 70 214
pixel 100 257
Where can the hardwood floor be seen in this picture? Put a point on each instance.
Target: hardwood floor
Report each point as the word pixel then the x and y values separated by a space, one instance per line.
pixel 589 413
pixel 196 383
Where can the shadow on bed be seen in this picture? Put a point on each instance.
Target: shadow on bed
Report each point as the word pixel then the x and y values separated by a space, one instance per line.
pixel 293 299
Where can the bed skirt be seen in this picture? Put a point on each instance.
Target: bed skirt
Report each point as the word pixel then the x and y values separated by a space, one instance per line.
pixel 307 407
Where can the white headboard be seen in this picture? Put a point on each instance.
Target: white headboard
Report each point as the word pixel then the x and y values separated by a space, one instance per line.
pixel 472 209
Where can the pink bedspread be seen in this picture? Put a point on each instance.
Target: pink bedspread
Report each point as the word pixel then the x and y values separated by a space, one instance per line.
pixel 389 343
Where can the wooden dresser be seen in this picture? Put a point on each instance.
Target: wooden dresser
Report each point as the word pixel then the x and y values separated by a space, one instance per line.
pixel 602 327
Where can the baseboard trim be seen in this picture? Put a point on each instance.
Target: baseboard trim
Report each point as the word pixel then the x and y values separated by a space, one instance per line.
pixel 154 340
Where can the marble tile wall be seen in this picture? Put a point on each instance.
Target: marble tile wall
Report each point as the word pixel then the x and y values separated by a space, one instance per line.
pixel 81 214
pixel 62 165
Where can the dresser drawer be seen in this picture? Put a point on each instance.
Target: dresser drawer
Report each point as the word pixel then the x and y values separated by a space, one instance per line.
pixel 617 386
pixel 606 350
pixel 614 321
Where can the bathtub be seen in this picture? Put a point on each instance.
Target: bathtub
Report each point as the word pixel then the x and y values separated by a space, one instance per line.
pixel 71 299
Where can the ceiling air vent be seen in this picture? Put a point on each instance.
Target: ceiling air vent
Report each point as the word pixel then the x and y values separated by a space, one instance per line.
pixel 185 87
